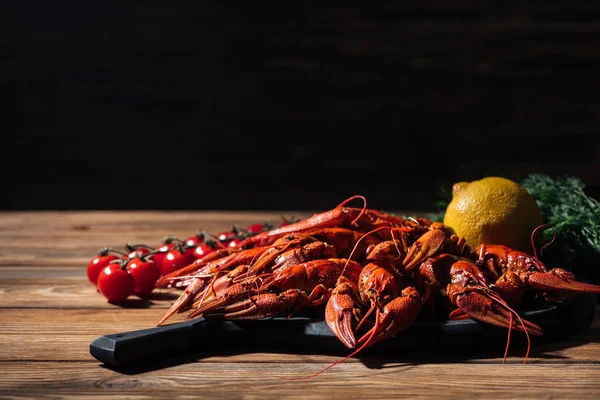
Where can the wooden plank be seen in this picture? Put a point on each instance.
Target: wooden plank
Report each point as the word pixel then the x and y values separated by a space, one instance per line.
pixel 82 321
pixel 272 380
pixel 74 238
pixel 73 292
pixel 115 221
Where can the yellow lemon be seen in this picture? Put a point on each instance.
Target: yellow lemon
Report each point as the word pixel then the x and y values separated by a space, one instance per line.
pixel 493 210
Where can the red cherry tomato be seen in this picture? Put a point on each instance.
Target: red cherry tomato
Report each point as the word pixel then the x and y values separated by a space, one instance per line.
pixel 255 228
pixel 97 265
pixel 114 283
pixel 145 273
pixel 161 252
pixel 188 251
pixel 194 240
pixel 225 237
pixel 202 249
pixel 234 242
pixel 140 251
pixel 196 246
pixel 175 259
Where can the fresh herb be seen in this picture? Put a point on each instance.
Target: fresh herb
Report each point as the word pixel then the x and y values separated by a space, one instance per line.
pixel 575 217
pixel 440 205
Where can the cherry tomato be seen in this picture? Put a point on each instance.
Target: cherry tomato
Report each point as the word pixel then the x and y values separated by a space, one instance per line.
pixel 202 249
pixel 195 245
pixel 145 273
pixel 255 228
pixel 140 251
pixel 189 253
pixel 161 252
pixel 114 283
pixel 175 259
pixel 226 236
pixel 234 242
pixel 194 240
pixel 97 265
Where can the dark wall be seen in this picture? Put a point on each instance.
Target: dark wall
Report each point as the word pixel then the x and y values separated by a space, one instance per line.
pixel 226 105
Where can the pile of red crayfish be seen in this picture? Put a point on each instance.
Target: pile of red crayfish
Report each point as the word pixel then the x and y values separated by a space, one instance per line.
pixel 372 272
pixel 369 270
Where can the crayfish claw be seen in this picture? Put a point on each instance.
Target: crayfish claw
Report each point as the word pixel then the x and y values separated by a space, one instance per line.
pixel 396 316
pixel 559 279
pixel 339 314
pixel 458 314
pixel 425 247
pixel 485 309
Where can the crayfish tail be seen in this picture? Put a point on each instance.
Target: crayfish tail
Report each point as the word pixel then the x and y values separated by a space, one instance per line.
pixel 182 303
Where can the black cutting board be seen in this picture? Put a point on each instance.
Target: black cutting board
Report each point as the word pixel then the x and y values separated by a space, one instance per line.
pixel 559 319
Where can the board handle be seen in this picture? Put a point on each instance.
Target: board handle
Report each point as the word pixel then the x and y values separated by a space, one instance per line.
pixel 119 348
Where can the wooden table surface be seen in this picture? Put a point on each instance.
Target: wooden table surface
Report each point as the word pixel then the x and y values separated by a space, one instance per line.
pixel 50 313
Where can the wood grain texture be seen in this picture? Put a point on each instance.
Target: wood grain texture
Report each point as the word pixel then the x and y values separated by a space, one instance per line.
pixel 45 237
pixel 268 380
pixel 50 313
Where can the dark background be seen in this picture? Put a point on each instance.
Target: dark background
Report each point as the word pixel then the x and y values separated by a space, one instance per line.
pixel 263 105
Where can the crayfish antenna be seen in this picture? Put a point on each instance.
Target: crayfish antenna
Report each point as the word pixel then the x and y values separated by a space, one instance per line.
pixel 349 199
pixel 210 288
pixel 395 317
pixel 366 344
pixel 365 235
pixel 523 324
pixel 364 318
pixel 546 245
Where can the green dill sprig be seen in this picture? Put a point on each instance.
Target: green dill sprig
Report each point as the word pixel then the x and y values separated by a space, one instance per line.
pixel 573 214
